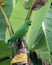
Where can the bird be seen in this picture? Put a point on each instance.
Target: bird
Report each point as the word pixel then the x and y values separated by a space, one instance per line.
pixel 20 32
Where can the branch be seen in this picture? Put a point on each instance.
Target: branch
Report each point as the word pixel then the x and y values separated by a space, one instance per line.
pixel 30 12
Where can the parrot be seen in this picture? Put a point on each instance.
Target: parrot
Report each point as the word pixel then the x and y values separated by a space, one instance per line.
pixel 37 4
pixel 21 31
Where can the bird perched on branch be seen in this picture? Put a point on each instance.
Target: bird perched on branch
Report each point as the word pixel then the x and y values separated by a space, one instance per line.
pixel 20 32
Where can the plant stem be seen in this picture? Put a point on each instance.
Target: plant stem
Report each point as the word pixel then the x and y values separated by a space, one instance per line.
pixel 29 15
pixel 8 25
pixel 30 11
pixel 7 21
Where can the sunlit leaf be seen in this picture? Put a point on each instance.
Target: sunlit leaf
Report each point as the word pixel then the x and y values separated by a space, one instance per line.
pixel 37 19
pixel 47 28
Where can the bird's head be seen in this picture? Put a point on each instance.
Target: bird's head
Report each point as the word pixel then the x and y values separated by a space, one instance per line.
pixel 28 22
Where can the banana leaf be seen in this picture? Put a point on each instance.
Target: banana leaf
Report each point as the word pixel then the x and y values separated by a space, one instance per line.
pixel 47 28
pixel 8 8
pixel 4 49
pixel 35 33
pixel 43 40
pixel 37 19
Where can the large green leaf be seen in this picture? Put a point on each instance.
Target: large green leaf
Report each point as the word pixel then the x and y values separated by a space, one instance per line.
pixel 4 51
pixel 8 8
pixel 4 48
pixel 40 42
pixel 7 62
pixel 40 46
pixel 36 39
pixel 37 18
pixel 47 28
pixel 43 41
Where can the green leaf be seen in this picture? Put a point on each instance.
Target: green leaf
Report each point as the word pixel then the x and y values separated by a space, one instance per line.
pixel 47 28
pixel 36 32
pixel 43 41
pixel 5 51
pixel 40 46
pixel 4 48
pixel 8 8
pixel 37 19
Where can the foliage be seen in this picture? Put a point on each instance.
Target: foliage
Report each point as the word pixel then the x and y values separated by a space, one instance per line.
pixel 47 28
pixel 4 49
pixel 8 8
pixel 36 39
